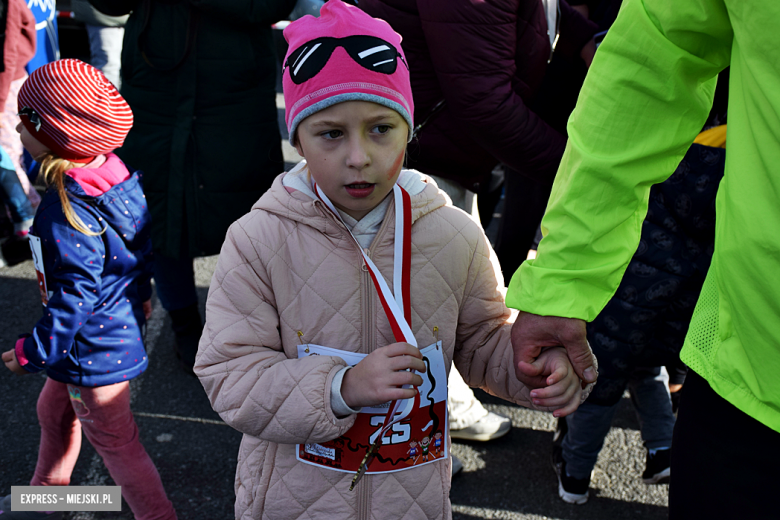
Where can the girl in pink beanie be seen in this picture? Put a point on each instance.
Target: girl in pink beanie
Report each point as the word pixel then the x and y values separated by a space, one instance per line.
pixel 341 300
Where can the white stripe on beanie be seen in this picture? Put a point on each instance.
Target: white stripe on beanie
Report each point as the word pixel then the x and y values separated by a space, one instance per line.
pixel 82 113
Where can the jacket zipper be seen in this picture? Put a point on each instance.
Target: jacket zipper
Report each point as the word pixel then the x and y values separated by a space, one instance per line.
pixel 364 486
pixel 369 321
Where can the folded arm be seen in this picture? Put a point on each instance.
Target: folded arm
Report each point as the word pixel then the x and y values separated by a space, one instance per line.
pixel 476 69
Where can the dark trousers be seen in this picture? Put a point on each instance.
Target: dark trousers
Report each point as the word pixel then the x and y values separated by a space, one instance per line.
pixel 175 281
pixel 524 203
pixel 13 196
pixel 526 198
pixel 724 462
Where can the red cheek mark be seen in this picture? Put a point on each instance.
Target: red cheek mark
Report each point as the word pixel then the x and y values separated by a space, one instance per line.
pixel 397 164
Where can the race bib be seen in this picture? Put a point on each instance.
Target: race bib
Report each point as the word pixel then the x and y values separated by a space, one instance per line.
pixel 418 437
pixel 37 254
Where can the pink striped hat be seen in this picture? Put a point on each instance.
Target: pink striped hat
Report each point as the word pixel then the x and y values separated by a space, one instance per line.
pixel 70 107
pixel 344 55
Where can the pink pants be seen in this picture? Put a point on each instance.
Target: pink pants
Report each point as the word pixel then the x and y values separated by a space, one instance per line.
pixel 104 415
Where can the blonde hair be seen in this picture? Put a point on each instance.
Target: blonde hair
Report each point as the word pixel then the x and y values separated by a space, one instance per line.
pixel 53 169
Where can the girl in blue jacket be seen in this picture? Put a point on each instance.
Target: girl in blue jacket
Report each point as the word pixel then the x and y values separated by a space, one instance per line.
pixel 92 251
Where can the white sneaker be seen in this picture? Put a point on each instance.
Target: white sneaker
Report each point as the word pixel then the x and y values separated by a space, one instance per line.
pixel 492 426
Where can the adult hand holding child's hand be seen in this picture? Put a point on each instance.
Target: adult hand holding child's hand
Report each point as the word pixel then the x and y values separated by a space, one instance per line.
pixel 378 378
pixel 563 392
pixel 532 333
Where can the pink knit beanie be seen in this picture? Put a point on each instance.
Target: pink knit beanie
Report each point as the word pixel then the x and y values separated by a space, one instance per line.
pixel 344 55
pixel 74 110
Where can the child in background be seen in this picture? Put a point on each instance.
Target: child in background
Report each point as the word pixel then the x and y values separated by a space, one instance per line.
pixel 13 196
pixel 92 250
pixel 17 47
pixel 643 326
pixel 305 344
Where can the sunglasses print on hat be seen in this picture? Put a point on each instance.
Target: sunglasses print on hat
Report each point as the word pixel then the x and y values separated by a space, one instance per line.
pixel 369 52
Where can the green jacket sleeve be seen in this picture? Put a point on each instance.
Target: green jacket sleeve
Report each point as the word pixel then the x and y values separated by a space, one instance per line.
pixel 646 97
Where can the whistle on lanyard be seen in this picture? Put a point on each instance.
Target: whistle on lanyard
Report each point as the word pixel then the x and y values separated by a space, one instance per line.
pixel 368 459
pixel 374 448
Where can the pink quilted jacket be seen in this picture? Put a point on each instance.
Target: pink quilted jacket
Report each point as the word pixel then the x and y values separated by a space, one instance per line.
pixel 290 266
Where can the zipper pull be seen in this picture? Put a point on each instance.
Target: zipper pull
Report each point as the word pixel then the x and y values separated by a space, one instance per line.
pixel 300 339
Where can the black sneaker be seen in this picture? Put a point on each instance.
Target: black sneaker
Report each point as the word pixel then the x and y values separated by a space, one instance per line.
pixel 561 427
pixel 676 401
pixel 570 489
pixel 657 467
pixel 15 250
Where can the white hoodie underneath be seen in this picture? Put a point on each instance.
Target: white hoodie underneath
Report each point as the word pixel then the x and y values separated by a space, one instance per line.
pixel 364 231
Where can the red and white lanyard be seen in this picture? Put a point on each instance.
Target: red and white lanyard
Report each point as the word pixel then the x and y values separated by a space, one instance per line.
pixel 397 305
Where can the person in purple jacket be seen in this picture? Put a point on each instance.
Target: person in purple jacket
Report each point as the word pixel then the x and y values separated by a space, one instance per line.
pixel 92 250
pixel 477 71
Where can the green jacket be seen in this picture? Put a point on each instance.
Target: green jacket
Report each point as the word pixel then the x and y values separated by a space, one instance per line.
pixel 645 98
pixel 200 76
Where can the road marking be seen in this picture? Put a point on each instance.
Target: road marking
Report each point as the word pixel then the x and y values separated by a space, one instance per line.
pixel 178 418
pixel 491 512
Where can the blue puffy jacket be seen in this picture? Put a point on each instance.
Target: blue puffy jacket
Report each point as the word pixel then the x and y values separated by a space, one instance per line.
pixel 90 332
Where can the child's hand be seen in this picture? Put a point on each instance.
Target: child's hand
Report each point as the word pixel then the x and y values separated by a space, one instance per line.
pixel 147 306
pixel 12 364
pixel 563 391
pixel 379 376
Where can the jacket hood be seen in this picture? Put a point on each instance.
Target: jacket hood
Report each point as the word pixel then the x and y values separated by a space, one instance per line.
pixel 122 206
pixel 301 207
pixel 100 175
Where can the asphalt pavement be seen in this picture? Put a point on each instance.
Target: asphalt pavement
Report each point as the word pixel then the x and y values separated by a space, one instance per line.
pixel 195 452
pixel 509 478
